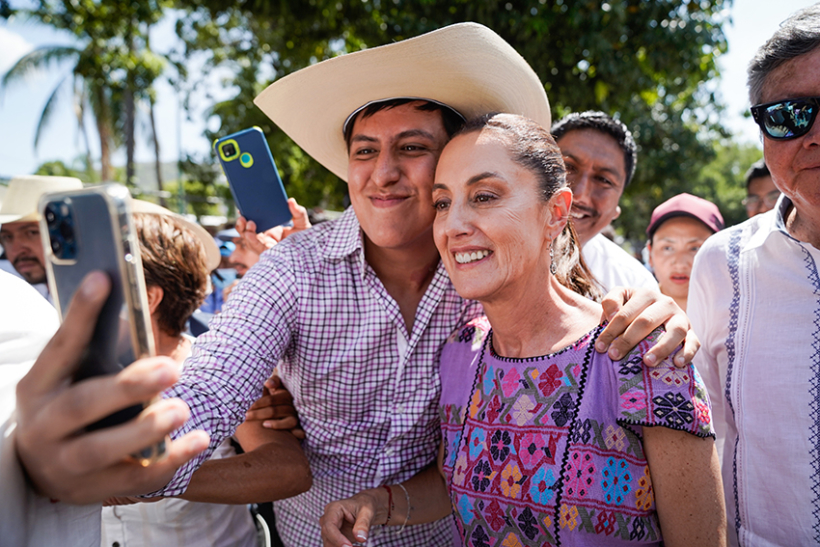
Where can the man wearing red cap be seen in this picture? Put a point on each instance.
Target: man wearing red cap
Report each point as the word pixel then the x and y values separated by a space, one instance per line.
pixel 678 228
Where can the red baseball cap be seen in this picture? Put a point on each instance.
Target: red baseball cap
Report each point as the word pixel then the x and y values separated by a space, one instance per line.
pixel 686 205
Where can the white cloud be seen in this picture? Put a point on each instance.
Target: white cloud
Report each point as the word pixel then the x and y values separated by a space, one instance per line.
pixel 12 47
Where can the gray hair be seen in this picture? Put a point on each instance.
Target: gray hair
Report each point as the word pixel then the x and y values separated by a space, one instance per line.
pixel 797 35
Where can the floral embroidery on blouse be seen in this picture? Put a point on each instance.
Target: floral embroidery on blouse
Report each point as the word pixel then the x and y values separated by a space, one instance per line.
pixel 548 450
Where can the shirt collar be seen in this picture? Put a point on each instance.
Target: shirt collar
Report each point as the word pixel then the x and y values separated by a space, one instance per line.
pixel 346 237
pixel 772 222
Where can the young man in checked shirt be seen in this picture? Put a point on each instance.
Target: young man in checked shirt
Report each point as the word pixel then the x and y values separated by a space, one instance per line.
pixel 357 309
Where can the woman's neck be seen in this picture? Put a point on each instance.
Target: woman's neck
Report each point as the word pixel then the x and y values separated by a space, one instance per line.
pixel 531 326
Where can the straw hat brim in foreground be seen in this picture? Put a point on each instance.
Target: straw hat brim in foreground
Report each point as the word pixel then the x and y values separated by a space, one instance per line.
pixel 213 257
pixel 24 193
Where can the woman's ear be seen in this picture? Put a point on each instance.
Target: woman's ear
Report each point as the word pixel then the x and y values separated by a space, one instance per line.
pixel 559 206
pixel 155 295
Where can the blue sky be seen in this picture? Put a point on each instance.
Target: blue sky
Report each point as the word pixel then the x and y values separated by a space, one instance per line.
pixel 753 21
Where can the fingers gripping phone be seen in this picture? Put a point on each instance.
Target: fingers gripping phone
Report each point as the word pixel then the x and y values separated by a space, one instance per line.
pixel 253 178
pixel 92 229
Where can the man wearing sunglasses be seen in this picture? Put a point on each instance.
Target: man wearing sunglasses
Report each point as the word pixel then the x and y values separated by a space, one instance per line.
pixel 754 301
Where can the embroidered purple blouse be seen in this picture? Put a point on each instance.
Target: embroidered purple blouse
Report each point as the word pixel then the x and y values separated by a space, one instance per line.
pixel 550 452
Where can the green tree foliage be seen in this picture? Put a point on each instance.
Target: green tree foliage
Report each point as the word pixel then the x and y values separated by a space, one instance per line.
pixel 644 62
pixel 720 180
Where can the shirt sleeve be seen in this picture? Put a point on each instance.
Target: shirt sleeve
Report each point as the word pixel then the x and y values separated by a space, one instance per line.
pixel 229 364
pixel 665 395
pixel 710 288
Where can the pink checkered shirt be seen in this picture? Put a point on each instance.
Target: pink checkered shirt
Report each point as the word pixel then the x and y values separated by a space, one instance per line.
pixel 367 391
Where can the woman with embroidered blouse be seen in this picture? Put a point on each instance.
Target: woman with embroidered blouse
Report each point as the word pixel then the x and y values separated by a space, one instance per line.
pixel 545 441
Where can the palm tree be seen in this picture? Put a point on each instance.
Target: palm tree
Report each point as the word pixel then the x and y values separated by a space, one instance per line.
pixel 89 89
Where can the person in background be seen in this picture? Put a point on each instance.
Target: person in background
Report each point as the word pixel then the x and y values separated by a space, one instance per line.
pixel 677 229
pixel 176 257
pixel 600 155
pixel 221 277
pixel 20 226
pixel 761 193
pixel 754 301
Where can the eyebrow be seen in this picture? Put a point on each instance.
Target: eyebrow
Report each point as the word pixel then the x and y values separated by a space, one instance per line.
pixel 675 240
pixel 472 180
pixel 605 169
pixel 403 135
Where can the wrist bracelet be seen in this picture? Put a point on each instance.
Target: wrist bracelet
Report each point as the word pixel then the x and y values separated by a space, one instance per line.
pixel 407 497
pixel 389 503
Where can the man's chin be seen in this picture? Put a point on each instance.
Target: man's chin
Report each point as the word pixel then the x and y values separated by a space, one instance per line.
pixel 34 277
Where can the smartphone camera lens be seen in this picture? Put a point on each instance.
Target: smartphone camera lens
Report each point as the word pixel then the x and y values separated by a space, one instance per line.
pixel 59 217
pixel 51 216
pixel 229 149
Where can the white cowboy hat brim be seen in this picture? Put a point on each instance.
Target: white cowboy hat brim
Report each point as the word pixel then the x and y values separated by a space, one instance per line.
pixel 24 193
pixel 212 255
pixel 466 66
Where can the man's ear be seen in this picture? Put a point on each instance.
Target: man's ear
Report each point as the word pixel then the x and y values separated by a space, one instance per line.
pixel 155 295
pixel 617 212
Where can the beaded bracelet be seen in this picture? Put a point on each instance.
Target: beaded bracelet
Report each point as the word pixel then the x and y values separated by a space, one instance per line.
pixel 389 503
pixel 407 497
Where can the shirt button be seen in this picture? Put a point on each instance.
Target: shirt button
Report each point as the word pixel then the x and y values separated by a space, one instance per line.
pixel 390 451
pixel 400 409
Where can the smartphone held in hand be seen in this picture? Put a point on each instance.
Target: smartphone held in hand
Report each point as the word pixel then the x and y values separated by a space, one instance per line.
pixel 253 178
pixel 88 230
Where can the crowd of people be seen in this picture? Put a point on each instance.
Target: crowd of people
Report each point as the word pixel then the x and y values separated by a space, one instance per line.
pixel 462 357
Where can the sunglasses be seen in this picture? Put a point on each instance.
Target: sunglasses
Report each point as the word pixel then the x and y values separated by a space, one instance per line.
pixel 788 119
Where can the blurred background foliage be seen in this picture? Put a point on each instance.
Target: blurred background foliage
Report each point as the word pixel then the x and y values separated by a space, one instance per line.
pixel 650 63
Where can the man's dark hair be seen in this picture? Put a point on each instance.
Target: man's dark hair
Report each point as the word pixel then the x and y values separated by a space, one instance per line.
pixel 756 171
pixel 599 121
pixel 453 121
pixel 797 35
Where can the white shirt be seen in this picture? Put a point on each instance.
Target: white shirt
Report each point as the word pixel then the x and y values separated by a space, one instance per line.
pixel 754 302
pixel 614 267
pixel 27 322
pixel 174 521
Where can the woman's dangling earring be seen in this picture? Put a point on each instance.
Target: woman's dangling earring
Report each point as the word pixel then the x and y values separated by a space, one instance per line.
pixel 552 261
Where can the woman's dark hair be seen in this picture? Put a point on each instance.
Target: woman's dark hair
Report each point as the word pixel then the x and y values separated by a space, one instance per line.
pixel 173 259
pixel 533 148
pixel 452 120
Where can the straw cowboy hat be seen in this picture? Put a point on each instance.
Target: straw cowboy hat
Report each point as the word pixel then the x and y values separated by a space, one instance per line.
pixel 23 195
pixel 212 256
pixel 466 66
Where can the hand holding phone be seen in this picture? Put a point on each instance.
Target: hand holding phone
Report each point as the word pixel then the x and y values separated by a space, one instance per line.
pixel 73 466
pixel 253 178
pixel 88 230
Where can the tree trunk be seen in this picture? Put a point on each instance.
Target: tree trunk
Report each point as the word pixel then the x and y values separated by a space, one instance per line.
pixel 103 117
pixel 156 150
pixel 128 98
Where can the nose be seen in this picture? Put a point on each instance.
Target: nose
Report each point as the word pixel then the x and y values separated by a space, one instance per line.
pixel 458 221
pixel 812 138
pixel 579 184
pixel 386 170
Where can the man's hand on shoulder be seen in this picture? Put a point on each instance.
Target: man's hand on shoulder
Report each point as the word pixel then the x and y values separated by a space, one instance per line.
pixel 633 314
